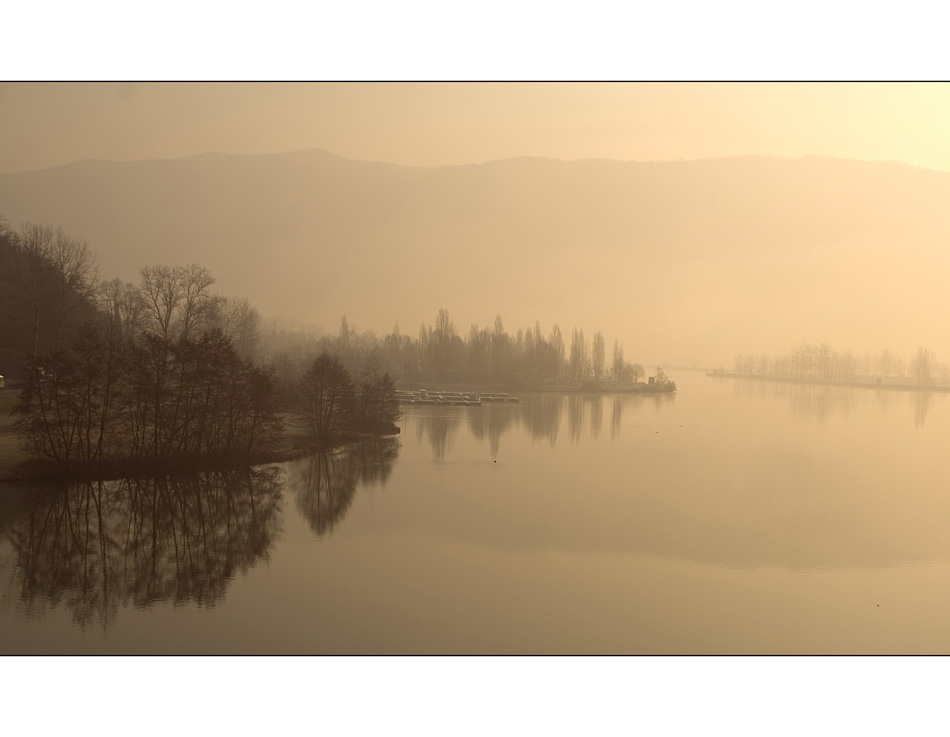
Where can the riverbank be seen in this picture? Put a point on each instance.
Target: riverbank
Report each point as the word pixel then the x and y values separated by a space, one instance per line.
pixel 16 466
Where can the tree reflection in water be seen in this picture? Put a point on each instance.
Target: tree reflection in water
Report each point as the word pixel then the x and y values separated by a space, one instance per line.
pixel 620 402
pixel 325 483
pixel 575 417
pixel 542 418
pixel 94 547
pixel 822 401
pixel 493 421
pixel 540 415
pixel 921 407
pixel 596 414
pixel 439 428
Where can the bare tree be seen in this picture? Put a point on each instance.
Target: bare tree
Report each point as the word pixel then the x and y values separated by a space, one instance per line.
pixel 637 372
pixel 239 321
pixel 618 362
pixel 123 302
pixel 49 275
pixel 579 358
pixel 196 300
pixel 443 336
pixel 176 300
pixel 598 356
pixel 922 366
pixel 327 400
pixel 161 296
pixel 557 346
pixel 500 354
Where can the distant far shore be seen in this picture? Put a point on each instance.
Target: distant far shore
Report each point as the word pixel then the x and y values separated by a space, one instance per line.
pixel 862 383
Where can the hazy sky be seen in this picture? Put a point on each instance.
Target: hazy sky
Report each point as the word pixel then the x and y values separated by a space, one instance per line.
pixel 433 124
pixel 697 306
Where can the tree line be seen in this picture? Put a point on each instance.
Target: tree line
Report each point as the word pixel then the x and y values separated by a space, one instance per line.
pixel 440 354
pixel 49 288
pixel 146 399
pixel 165 369
pixel 160 371
pixel 821 363
pixel 330 405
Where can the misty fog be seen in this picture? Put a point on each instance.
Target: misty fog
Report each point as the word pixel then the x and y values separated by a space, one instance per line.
pixel 474 369
pixel 686 263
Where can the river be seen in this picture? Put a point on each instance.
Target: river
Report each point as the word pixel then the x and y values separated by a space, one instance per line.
pixel 732 517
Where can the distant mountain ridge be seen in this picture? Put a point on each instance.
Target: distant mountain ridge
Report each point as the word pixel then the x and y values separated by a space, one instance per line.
pixel 659 254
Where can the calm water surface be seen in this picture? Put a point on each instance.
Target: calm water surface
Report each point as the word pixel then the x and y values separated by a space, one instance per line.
pixel 733 517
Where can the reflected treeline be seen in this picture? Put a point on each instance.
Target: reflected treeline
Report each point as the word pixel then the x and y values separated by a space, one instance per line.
pixel 97 546
pixel 821 401
pixel 596 416
pixel 325 483
pixel 922 402
pixel 575 417
pixel 540 415
pixel 632 403
pixel 439 428
pixel 542 418
pixel 581 405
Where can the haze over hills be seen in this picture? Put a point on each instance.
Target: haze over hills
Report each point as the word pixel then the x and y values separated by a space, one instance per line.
pixel 684 262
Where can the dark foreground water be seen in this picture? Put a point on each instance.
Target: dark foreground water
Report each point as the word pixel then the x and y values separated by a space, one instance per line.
pixel 731 518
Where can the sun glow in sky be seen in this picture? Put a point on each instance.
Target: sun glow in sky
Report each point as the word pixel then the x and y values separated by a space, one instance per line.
pixel 712 304
pixel 436 124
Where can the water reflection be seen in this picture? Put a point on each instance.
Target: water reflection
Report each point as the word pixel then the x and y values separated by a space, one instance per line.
pixel 491 421
pixel 439 427
pixel 596 415
pixel 822 401
pixel 575 417
pixel 326 483
pixel 922 402
pixel 540 415
pixel 97 546
pixel 883 399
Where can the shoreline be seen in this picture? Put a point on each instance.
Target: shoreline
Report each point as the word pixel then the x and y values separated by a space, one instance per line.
pixel 29 470
pixel 17 467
